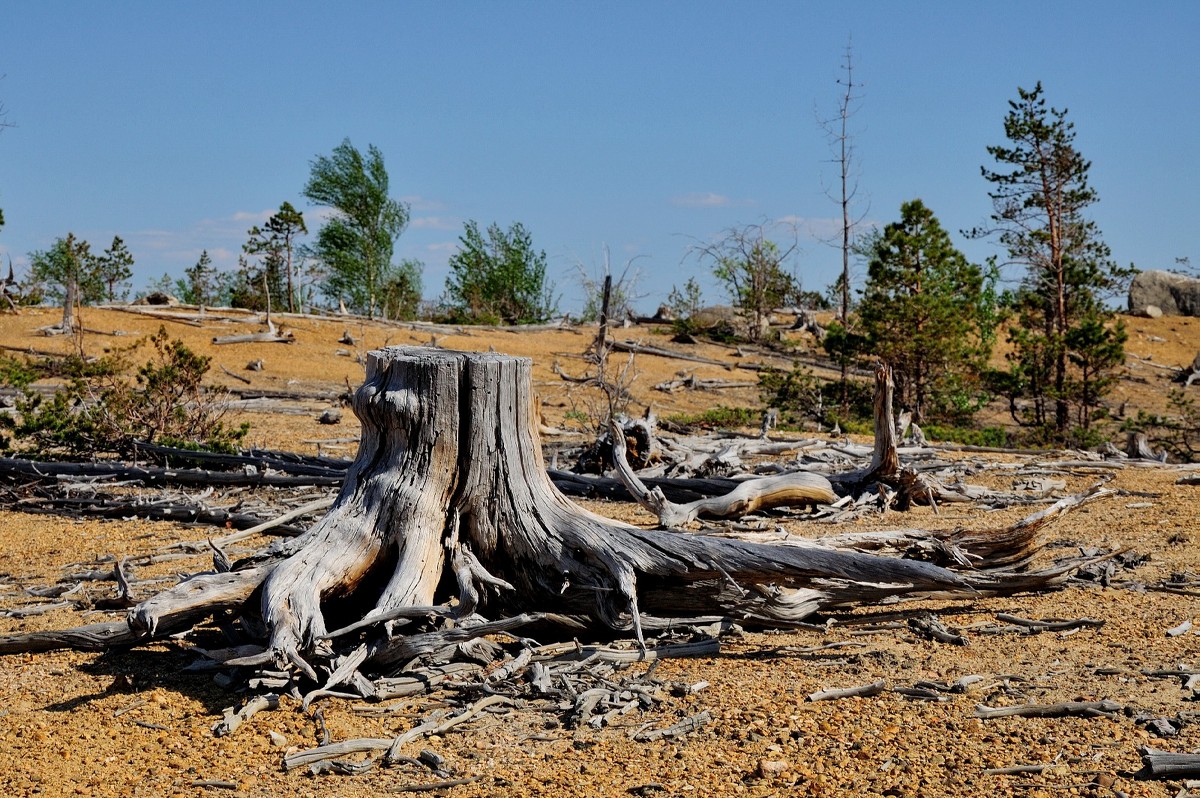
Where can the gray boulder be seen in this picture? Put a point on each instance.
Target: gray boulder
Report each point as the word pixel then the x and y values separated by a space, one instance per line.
pixel 1173 294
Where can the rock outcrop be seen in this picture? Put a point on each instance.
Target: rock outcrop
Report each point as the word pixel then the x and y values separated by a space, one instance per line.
pixel 1174 294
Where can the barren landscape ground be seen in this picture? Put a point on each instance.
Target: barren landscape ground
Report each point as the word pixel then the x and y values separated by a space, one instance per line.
pixel 132 723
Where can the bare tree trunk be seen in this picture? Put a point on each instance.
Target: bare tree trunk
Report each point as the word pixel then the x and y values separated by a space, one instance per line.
pixel 885 460
pixel 70 301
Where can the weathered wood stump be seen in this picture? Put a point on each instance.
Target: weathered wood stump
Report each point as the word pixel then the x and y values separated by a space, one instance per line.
pixel 449 494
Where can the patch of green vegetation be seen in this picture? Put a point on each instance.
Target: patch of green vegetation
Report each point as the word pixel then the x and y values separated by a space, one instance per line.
pixel 801 397
pixel 17 372
pixel 101 411
pixel 996 437
pixel 722 332
pixel 855 426
pixel 719 416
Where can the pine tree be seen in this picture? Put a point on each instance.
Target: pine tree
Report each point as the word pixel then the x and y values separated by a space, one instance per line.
pixel 198 287
pixel 280 235
pixel 1040 194
pixel 115 268
pixel 68 269
pixel 925 311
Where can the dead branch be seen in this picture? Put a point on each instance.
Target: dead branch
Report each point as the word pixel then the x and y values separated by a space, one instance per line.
pixel 798 487
pixel 836 694
pixel 1083 708
pixel 236 376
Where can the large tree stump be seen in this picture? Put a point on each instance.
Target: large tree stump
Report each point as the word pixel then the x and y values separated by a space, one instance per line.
pixel 449 494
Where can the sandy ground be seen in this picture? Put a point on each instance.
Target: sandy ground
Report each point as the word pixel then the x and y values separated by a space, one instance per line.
pixel 131 723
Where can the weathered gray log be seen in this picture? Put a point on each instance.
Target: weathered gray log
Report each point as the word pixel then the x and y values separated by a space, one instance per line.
pixel 838 693
pixel 685 726
pixel 29 469
pixel 236 376
pixel 785 490
pixel 173 610
pixel 1167 764
pixel 658 351
pixel 269 337
pixel 1084 708
pixel 126 506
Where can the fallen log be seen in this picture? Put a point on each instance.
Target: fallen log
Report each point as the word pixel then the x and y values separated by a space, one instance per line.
pixel 1082 708
pixel 797 487
pixel 658 351
pixel 15 467
pixel 255 338
pixel 838 693
pixel 179 510
pixel 236 376
pixel 1167 764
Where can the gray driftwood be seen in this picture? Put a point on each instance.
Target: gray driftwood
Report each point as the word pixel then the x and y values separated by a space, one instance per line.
pixel 1167 764
pixel 797 487
pixel 1084 708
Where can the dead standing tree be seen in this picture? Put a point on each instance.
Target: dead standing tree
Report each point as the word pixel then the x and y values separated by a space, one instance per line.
pixel 448 511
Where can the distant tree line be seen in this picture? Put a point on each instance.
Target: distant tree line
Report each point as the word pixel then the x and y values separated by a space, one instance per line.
pixel 348 266
pixel 934 317
pixel 923 308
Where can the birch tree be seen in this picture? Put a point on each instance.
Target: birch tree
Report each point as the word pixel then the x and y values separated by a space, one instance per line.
pixel 356 242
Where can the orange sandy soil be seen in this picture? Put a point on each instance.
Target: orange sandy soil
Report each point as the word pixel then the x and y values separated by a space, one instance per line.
pixel 130 723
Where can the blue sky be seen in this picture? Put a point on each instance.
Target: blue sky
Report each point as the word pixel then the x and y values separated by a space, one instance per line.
pixel 640 128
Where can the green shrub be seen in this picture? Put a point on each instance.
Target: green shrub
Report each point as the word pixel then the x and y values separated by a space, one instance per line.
pixel 996 437
pixel 100 411
pixel 723 331
pixel 800 396
pixel 719 416
pixel 17 373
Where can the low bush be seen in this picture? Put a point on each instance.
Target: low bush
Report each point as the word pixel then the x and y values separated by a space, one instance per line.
pixel 995 437
pixel 102 411
pixel 719 416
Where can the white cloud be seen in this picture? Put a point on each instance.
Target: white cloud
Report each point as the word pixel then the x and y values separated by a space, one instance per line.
pixel 254 217
pixel 701 200
pixel 418 203
pixel 442 248
pixel 164 250
pixel 434 223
